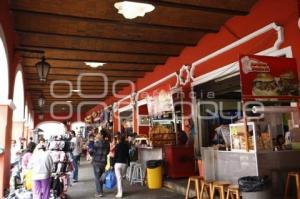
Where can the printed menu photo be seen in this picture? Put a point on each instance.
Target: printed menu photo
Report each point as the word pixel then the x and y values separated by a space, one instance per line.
pixel 268 77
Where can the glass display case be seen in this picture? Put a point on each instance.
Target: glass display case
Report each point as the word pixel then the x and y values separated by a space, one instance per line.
pixel 259 137
pixel 144 120
pixel 162 131
pixel 238 138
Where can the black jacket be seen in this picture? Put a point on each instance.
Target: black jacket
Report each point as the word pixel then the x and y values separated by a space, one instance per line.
pixel 122 153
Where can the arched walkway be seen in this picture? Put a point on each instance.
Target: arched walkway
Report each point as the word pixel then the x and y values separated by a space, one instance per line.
pixel 6 107
pixel 27 123
pixel 51 128
pixel 19 101
pixel 79 127
pixel 4 81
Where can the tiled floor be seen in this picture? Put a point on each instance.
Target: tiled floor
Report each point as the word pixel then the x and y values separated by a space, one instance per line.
pixel 85 188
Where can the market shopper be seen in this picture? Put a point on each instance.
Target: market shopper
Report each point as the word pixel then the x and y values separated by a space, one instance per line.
pixel 190 125
pixel 42 141
pixel 279 143
pixel 101 150
pixel 41 164
pixel 112 150
pixel 28 154
pixel 90 147
pixel 121 162
pixel 15 153
pixel 76 145
pixel 182 137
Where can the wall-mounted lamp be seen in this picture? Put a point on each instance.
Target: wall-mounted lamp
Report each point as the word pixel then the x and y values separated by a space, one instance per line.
pixel 43 69
pixel 41 101
pixel 41 116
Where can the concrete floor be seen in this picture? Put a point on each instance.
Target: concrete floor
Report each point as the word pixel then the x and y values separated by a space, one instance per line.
pixel 85 188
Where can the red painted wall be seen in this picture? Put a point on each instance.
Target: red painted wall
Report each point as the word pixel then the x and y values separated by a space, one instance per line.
pixel 283 12
pixel 143 130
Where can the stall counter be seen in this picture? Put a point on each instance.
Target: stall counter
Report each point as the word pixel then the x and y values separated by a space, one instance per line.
pixel 231 165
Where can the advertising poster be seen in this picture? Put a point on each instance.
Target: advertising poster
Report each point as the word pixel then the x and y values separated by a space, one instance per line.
pixel 268 77
pixel 160 102
pixel 237 136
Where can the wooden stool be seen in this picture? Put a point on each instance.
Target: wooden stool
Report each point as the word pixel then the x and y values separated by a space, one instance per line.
pixel 287 185
pixel 197 181
pixel 220 186
pixel 233 190
pixel 206 186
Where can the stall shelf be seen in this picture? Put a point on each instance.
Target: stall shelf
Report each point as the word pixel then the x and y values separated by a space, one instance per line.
pixel 162 132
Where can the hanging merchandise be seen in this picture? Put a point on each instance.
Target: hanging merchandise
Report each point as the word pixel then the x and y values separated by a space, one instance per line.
pixel 60 148
pixel 88 119
pixel 96 117
pixel 101 115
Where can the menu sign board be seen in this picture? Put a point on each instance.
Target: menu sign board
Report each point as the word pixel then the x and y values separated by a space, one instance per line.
pixel 160 102
pixel 238 138
pixel 268 77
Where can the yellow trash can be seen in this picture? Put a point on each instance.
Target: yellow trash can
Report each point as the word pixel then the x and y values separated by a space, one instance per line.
pixel 154 174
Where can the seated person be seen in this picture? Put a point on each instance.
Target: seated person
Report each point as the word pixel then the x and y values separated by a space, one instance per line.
pixel 182 137
pixel 217 139
pixel 280 143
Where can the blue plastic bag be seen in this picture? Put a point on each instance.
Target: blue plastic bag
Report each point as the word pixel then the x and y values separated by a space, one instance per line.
pixel 110 180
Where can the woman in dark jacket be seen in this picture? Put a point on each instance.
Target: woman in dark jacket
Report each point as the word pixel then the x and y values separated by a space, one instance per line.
pixel 100 152
pixel 121 161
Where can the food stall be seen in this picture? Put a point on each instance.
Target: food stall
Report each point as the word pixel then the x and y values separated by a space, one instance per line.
pixel 101 119
pixel 230 148
pixel 155 120
pixel 143 118
pixel 126 115
pixel 165 116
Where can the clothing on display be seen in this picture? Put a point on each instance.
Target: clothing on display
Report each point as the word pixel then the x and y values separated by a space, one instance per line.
pixel 60 151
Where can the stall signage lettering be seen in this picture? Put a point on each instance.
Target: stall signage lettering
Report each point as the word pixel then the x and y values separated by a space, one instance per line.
pixel 264 77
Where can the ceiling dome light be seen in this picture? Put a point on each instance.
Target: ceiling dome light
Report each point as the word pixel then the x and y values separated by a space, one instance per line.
pixel 131 10
pixel 94 64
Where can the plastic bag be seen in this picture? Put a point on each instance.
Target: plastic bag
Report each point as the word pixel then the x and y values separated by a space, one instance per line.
pixel 110 180
pixel 107 167
pixel 103 176
pixel 28 180
pixel 253 183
